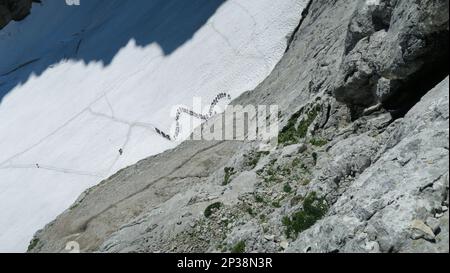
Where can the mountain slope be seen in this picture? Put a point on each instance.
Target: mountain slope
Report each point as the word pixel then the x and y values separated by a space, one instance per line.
pixel 88 90
pixel 362 163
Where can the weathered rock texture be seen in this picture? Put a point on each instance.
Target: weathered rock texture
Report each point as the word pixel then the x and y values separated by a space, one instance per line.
pixel 392 187
pixel 14 10
pixel 352 172
pixel 391 46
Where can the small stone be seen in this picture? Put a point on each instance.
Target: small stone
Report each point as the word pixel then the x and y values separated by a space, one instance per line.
pixel 434 224
pixel 421 230
pixel 372 247
pixel 269 237
pixel 439 215
pixel 284 244
pixel 302 148
pixel 187 214
pixel 444 208
pixel 212 197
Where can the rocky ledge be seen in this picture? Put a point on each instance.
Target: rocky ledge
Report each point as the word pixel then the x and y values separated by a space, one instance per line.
pixel 361 164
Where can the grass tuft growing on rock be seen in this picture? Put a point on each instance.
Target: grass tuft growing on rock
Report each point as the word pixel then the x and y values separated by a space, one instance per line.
pixel 314 209
pixel 33 244
pixel 289 132
pixel 250 211
pixel 273 174
pixel 318 142
pixel 276 204
pixel 229 172
pixel 239 247
pixel 287 188
pixel 292 133
pixel 212 208
pixel 269 173
pixel 315 157
pixel 252 159
pixel 259 199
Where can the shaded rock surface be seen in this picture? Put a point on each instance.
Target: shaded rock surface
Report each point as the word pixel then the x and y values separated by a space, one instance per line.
pixel 344 178
pixel 386 207
pixel 14 10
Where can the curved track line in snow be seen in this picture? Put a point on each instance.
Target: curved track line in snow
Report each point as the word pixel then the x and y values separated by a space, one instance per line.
pixel 110 88
pixel 189 112
pixel 86 223
pixel 49 168
pixel 114 85
pixel 131 124
pixel 54 132
pixel 253 36
pixel 236 51
pixel 19 67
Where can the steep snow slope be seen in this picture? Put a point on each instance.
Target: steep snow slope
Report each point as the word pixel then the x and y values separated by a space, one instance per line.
pixel 79 83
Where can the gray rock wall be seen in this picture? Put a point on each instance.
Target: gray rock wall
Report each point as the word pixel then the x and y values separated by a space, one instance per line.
pixel 399 203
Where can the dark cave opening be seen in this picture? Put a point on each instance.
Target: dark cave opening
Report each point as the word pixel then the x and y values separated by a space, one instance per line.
pixel 412 89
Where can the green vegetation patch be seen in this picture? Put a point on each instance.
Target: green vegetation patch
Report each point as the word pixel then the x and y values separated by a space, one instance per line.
pixel 229 172
pixel 252 159
pixel 318 142
pixel 287 188
pixel 212 208
pixel 273 174
pixel 315 157
pixel 296 162
pixel 33 244
pixel 239 247
pixel 314 209
pixel 250 211
pixel 292 133
pixel 276 204
pixel 259 199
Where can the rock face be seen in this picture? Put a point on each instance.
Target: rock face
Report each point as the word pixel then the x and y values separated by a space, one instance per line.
pixel 14 10
pixel 361 165
pixel 387 206
pixel 390 46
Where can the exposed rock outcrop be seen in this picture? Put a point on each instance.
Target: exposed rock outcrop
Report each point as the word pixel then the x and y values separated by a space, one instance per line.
pixel 14 10
pixel 403 184
pixel 344 178
pixel 391 46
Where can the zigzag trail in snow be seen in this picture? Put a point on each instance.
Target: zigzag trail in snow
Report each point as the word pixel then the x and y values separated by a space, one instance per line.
pixel 184 110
